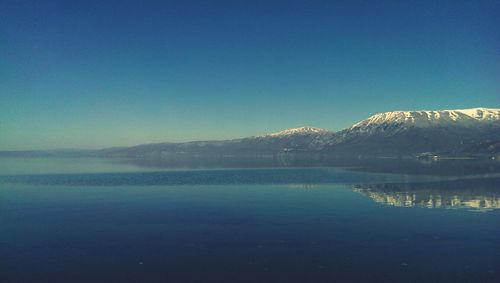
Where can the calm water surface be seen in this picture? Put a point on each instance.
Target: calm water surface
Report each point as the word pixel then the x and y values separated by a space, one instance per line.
pixel 72 221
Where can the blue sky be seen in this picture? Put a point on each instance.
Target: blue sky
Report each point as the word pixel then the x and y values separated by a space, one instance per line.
pixel 93 74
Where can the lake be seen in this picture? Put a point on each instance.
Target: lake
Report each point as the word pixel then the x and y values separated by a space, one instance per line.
pixel 93 220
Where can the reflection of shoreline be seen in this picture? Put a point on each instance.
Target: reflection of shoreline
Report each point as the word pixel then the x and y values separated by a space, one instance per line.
pixel 448 166
pixel 477 194
pixel 303 186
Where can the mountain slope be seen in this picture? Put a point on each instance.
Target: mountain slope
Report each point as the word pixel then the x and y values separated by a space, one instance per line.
pixel 297 139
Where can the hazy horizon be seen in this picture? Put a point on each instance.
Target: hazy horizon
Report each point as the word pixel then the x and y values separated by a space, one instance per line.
pixel 94 75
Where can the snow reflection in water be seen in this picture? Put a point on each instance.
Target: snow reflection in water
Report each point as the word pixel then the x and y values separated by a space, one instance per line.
pixel 474 194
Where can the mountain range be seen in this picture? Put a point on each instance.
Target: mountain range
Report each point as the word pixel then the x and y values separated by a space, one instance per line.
pixel 462 132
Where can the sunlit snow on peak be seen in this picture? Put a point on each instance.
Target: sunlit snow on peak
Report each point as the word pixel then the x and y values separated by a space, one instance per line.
pixel 298 131
pixel 458 117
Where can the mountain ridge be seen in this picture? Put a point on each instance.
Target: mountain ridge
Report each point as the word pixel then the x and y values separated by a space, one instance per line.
pixel 452 132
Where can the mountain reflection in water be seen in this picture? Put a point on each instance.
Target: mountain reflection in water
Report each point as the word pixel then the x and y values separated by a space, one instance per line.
pixel 474 194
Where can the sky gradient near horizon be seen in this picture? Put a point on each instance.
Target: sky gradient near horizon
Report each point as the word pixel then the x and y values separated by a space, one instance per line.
pixel 92 74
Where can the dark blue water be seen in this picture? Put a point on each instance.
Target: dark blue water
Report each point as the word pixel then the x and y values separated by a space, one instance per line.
pixel 259 225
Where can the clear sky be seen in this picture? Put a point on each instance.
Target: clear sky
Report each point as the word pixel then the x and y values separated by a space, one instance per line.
pixel 93 74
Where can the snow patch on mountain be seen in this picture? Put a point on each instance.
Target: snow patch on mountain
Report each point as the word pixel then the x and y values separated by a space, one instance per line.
pixel 298 131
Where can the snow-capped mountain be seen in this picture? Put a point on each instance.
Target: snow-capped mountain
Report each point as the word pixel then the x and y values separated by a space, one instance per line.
pixel 407 132
pixel 463 131
pixel 298 131
pixel 473 117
